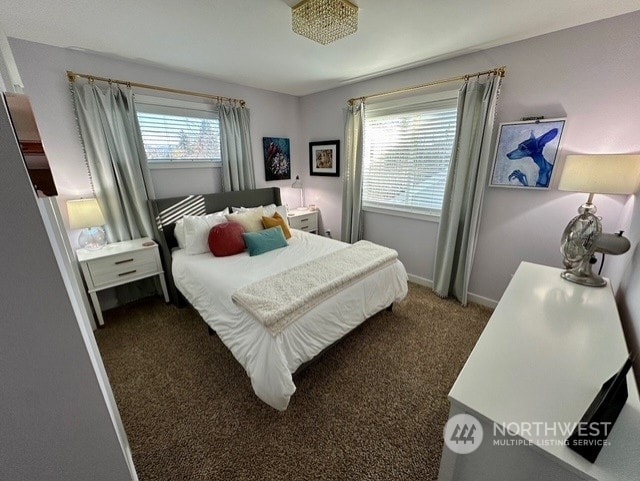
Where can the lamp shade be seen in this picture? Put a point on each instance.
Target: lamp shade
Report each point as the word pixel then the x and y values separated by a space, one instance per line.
pixel 601 174
pixel 84 213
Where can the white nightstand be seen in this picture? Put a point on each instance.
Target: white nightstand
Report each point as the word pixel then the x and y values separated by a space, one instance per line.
pixel 306 220
pixel 120 263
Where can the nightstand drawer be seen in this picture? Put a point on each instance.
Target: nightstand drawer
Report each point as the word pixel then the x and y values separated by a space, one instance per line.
pixel 304 222
pixel 122 266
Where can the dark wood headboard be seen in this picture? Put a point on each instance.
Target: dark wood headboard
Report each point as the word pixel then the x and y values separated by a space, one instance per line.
pixel 166 212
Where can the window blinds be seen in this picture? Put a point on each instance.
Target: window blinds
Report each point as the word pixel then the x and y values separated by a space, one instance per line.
pixel 407 154
pixel 172 134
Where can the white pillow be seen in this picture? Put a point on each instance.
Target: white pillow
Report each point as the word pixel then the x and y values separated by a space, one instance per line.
pixel 178 233
pixel 282 210
pixel 268 210
pixel 237 210
pixel 196 231
pixel 250 220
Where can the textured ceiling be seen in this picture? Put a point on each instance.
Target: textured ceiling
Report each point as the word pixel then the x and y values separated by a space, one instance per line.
pixel 250 42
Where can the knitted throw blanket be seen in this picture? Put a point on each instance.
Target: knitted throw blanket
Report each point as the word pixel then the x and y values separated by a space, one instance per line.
pixel 281 299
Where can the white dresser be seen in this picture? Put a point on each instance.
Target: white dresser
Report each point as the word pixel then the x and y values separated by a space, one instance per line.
pixel 547 349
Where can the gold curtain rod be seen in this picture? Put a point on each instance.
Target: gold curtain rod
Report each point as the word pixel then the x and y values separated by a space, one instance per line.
pixel 72 76
pixel 501 71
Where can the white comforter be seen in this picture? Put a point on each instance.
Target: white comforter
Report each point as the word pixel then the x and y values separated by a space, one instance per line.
pixel 208 283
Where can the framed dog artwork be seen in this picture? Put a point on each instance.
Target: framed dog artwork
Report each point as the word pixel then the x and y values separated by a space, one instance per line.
pixel 526 153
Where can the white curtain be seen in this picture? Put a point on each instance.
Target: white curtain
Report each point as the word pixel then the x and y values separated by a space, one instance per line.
pixel 464 191
pixel 116 158
pixel 235 143
pixel 352 225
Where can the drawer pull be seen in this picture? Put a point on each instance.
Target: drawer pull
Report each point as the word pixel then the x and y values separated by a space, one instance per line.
pixel 127 273
pixel 304 227
pixel 124 261
pixel 304 220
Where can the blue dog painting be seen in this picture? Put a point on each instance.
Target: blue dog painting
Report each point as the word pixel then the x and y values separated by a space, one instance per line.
pixel 526 153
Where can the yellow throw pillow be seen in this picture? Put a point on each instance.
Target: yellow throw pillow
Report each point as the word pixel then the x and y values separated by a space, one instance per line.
pixel 276 220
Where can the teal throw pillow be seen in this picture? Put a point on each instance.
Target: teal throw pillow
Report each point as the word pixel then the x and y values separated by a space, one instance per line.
pixel 264 240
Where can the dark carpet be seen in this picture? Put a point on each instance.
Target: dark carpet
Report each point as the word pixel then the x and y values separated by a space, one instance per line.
pixel 372 408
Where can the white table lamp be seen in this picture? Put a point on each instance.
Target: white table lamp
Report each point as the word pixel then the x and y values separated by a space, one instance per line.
pixel 594 174
pixel 85 214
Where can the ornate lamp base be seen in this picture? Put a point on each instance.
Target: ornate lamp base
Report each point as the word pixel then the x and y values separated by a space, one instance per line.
pixel 578 245
pixel 92 238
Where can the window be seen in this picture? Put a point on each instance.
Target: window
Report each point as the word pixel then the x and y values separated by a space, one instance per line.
pixel 177 132
pixel 407 150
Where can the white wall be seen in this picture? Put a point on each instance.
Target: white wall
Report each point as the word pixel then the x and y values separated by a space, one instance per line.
pixel 585 73
pixel 588 74
pixel 10 80
pixel 54 423
pixel 43 70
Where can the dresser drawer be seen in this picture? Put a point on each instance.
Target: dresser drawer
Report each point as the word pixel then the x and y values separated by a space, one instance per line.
pixel 119 267
pixel 308 222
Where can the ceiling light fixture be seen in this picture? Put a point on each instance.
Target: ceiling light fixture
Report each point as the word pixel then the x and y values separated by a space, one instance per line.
pixel 324 21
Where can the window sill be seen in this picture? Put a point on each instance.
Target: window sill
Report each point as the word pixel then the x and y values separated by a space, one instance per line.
pixel 184 165
pixel 401 213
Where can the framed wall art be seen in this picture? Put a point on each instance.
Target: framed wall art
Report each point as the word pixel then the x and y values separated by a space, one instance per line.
pixel 324 158
pixel 277 158
pixel 526 153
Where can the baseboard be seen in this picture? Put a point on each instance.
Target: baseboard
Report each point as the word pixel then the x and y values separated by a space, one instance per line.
pixel 421 281
pixel 483 301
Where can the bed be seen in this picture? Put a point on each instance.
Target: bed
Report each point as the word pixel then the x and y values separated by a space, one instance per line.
pixel 208 284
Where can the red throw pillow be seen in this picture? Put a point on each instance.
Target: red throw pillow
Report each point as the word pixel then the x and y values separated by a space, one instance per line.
pixel 226 239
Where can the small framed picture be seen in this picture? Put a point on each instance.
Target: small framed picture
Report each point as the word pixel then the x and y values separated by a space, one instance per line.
pixel 526 153
pixel 324 158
